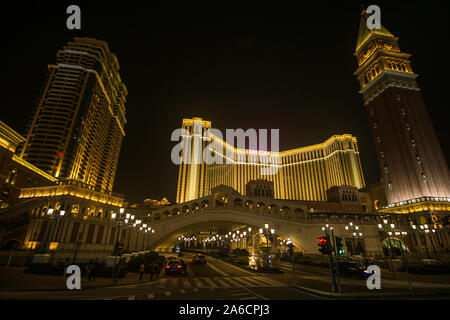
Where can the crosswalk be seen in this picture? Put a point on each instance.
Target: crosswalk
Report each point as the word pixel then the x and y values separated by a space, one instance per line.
pixel 167 287
pixel 218 282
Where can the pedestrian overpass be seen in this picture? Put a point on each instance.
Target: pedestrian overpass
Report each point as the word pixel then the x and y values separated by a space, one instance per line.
pixel 290 219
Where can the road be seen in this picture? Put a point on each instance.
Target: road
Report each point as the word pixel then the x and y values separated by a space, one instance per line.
pixel 216 280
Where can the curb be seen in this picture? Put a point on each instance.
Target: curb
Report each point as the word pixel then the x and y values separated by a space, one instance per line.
pixel 374 294
pixel 82 288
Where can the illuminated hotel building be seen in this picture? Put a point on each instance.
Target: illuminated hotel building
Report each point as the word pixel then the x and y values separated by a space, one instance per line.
pixel 299 174
pixel 77 126
pixel 414 170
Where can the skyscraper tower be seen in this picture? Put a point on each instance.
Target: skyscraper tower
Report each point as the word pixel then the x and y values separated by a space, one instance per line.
pixel 77 125
pixel 410 158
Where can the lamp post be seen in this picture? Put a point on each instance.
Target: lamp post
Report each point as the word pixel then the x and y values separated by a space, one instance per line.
pixel 423 230
pixel 119 222
pixel 266 232
pixel 388 228
pixel 335 279
pixel 356 233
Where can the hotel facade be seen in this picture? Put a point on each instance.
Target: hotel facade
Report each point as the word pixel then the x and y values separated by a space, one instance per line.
pixel 299 174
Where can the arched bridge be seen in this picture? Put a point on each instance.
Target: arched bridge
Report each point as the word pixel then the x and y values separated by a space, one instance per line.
pixel 290 219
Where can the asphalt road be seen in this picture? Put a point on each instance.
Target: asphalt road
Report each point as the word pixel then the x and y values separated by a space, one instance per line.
pixel 214 281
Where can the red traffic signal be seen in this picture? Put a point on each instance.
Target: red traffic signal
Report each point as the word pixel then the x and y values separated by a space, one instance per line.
pixel 324 245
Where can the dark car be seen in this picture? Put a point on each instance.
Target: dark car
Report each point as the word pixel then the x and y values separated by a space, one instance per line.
pixel 199 259
pixel 352 269
pixel 174 267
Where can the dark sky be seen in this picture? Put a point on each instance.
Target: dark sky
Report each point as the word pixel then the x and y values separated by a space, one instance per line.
pixel 255 67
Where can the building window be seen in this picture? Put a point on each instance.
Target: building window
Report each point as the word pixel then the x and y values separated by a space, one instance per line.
pixel 413 142
pixel 371 112
pixel 379 139
pixel 390 185
pixel 403 112
pixel 418 159
pixel 382 154
pixel 375 125
pixel 408 127
pixel 386 169
pixel 424 177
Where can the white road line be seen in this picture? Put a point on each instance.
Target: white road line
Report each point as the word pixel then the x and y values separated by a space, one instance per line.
pixel 258 295
pixel 131 298
pixel 240 294
pixel 255 282
pixel 150 296
pixel 198 283
pixel 246 283
pixel 168 293
pixel 210 282
pixel 218 270
pixel 272 282
pixel 233 282
pixel 222 283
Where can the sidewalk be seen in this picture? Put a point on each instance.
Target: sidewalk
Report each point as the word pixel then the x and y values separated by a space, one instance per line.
pixel 14 279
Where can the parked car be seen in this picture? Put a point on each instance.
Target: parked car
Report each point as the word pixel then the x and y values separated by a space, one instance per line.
pixel 199 259
pixel 352 269
pixel 174 267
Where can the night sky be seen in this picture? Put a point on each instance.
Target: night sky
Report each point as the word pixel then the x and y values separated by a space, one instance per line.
pixel 256 67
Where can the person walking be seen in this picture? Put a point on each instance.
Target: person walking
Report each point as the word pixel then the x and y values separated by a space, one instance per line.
pixel 152 270
pixel 141 271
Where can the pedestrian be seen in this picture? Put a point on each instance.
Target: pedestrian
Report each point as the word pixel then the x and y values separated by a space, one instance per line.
pixel 89 270
pixel 141 271
pixel 152 270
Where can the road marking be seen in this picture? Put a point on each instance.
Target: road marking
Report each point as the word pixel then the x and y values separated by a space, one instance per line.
pixel 218 270
pixel 198 283
pixel 258 295
pixel 272 282
pixel 131 298
pixel 240 294
pixel 210 282
pixel 255 282
pixel 222 283
pixel 246 283
pixel 233 282
pixel 168 293
pixel 150 296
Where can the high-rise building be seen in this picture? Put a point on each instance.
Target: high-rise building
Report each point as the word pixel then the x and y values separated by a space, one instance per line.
pixel 299 174
pixel 77 125
pixel 412 164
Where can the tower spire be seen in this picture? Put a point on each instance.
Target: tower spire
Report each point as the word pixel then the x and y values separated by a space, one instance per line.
pixel 365 33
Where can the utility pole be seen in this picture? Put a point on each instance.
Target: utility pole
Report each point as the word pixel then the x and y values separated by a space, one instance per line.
pixel 337 261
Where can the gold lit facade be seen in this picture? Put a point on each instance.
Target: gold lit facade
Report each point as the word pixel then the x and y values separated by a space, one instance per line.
pixel 413 167
pixel 77 126
pixel 299 174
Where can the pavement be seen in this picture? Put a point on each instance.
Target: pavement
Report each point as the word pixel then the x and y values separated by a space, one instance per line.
pixel 219 280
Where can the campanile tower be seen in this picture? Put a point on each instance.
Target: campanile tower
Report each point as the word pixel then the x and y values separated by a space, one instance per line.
pixel 412 164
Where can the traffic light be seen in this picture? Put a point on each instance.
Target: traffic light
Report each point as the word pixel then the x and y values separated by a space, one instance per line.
pixel 324 245
pixel 339 248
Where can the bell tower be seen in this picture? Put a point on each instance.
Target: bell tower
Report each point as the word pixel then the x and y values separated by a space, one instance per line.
pixel 413 166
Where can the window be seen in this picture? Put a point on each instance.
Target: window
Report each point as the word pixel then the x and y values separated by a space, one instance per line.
pixel 403 112
pixel 408 127
pixel 424 177
pixel 413 142
pixel 382 154
pixel 398 97
pixel 371 112
pixel 379 139
pixel 375 125
pixel 390 185
pixel 386 169
pixel 418 159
